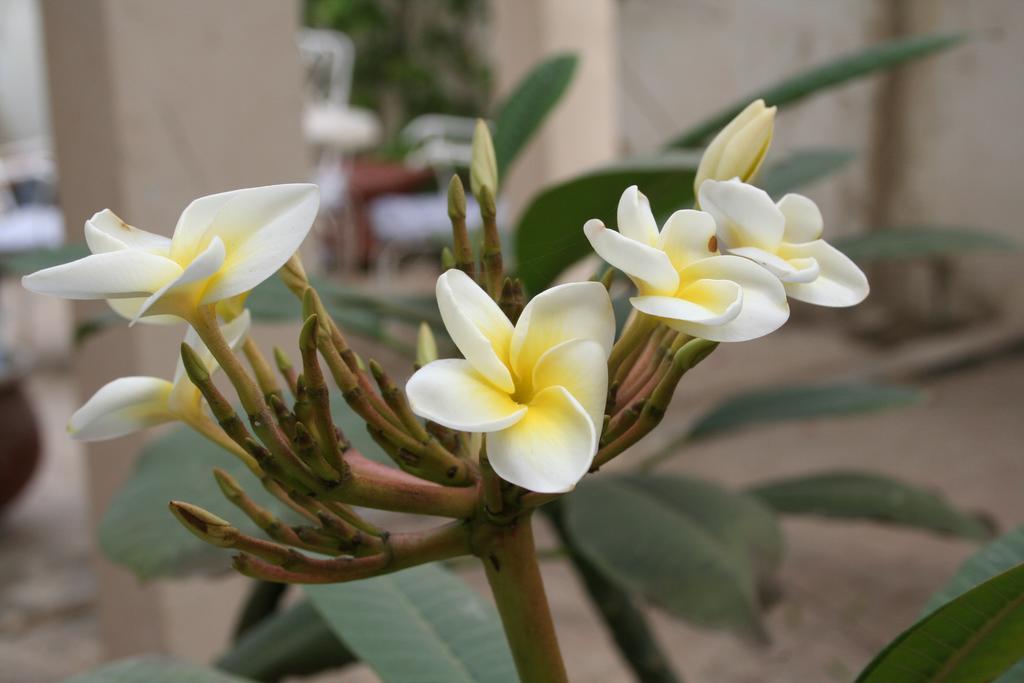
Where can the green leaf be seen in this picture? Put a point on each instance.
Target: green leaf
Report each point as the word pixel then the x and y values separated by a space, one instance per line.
pixel 294 642
pixel 921 242
pixel 1002 554
pixel 154 670
pixel 829 75
pixel 800 403
pixel 800 168
pixel 686 545
pixel 996 557
pixel 523 111
pixel 138 532
pixel 778 404
pixel 860 495
pixel 25 262
pixel 549 237
pixel 418 626
pixel 974 638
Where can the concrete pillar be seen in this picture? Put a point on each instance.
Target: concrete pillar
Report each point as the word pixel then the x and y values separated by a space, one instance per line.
pixel 583 132
pixel 153 104
pixel 957 158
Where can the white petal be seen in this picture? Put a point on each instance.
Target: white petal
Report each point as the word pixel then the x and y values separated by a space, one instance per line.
pixel 550 448
pixel 578 310
pixel 803 219
pixel 787 270
pixel 185 400
pixel 709 302
pixel 746 216
pixel 580 367
pixel 194 222
pixel 477 326
pixel 648 267
pixel 129 309
pixel 764 307
pixel 261 227
pixel 452 393
pixel 201 268
pixel 111 275
pixel 688 236
pixel 105 231
pixel 123 406
pixel 635 218
pixel 839 283
pixel 234 333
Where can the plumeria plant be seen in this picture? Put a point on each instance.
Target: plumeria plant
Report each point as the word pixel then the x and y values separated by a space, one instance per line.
pixel 544 393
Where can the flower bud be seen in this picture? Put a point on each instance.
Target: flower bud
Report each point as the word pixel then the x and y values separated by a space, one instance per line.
pixel 426 346
pixel 483 166
pixel 293 273
pixel 456 199
pixel 206 525
pixel 739 148
pixel 447 259
pixel 195 368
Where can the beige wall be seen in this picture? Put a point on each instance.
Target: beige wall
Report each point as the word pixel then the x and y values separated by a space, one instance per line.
pixel 582 132
pixel 938 143
pixel 155 103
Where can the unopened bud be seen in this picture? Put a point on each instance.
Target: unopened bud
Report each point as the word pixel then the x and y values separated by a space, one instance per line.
pixel 293 274
pixel 206 525
pixel 194 366
pixel 483 166
pixel 426 345
pixel 228 485
pixel 284 363
pixel 488 207
pixel 693 352
pixel 447 259
pixel 739 148
pixel 312 305
pixel 307 337
pixel 456 198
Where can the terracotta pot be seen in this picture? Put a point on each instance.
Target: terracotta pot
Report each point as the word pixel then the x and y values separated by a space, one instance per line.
pixel 19 440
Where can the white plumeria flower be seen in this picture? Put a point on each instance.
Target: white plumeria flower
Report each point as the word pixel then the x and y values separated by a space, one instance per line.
pixel 786 239
pixel 129 404
pixel 537 389
pixel 681 277
pixel 223 245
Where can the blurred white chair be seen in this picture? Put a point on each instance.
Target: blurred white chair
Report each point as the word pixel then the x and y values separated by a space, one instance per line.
pixel 331 123
pixel 334 128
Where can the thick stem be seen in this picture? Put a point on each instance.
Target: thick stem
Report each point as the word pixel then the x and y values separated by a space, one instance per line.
pixel 378 486
pixel 510 560
pixel 625 621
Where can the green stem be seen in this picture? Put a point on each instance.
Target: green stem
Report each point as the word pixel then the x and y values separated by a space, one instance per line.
pixel 510 559
pixel 636 333
pixel 625 621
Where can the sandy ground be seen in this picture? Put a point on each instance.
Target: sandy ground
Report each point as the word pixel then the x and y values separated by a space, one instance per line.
pixel 848 587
